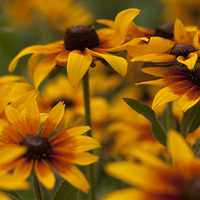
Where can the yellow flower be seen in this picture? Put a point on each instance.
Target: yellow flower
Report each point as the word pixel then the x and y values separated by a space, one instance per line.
pixel 184 49
pixel 77 49
pixel 45 150
pixel 154 178
pixel 183 84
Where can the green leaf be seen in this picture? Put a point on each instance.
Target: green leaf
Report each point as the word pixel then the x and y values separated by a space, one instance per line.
pixel 190 121
pixel 66 192
pixel 15 195
pixel 157 129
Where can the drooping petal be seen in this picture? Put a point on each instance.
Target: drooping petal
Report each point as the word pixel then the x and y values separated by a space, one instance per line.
pixel 119 64
pixel 32 116
pixel 164 96
pixel 180 34
pixel 23 168
pixel 77 65
pixel 179 150
pixel 72 175
pixel 17 120
pixel 44 174
pixel 32 63
pixel 55 116
pixel 9 153
pixel 61 58
pixel 43 68
pixel 190 61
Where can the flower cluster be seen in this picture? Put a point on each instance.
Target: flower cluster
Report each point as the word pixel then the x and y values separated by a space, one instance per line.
pixel 64 122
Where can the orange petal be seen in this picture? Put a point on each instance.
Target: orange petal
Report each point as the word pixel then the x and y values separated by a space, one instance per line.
pixel 44 174
pixel 190 61
pixel 55 116
pixel 77 66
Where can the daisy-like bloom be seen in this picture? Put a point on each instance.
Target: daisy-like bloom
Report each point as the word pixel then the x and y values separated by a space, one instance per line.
pixel 184 49
pixel 45 150
pixel 183 84
pixel 155 179
pixel 76 51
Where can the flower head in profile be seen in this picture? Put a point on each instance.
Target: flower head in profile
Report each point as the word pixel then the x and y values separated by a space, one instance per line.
pixel 46 150
pixel 76 52
pixel 155 179
pixel 183 84
pixel 183 49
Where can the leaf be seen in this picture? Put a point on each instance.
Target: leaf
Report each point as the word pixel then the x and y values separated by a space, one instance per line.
pixel 157 129
pixel 66 192
pixel 190 121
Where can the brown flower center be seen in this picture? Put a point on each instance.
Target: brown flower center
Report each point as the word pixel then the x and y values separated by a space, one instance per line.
pixel 165 31
pixel 68 102
pixel 183 50
pixel 195 76
pixel 81 37
pixel 38 147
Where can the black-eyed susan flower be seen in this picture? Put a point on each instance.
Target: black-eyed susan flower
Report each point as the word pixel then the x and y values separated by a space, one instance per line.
pixel 45 150
pixel 155 179
pixel 76 51
pixel 183 84
pixel 184 49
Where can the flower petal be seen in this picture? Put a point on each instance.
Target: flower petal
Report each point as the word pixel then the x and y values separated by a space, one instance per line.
pixel 61 58
pixel 119 64
pixel 44 174
pixel 190 61
pixel 55 116
pixel 32 116
pixel 43 68
pixel 76 131
pixel 4 196
pixel 77 66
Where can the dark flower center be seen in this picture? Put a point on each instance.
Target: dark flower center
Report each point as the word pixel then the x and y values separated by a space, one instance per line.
pixel 183 50
pixel 195 76
pixel 68 102
pixel 38 147
pixel 81 37
pixel 165 31
pixel 192 190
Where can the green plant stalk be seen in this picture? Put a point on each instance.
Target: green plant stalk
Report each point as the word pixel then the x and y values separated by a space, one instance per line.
pixel 36 184
pixel 85 82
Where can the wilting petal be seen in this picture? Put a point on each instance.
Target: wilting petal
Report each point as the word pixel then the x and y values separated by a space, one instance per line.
pixel 61 58
pixel 180 34
pixel 164 96
pixel 43 68
pixel 190 61
pixel 44 174
pixel 74 176
pixel 77 66
pixel 55 115
pixel 127 193
pixel 32 116
pixel 17 120
pixel 119 64
pixel 9 153
pixel 179 150
pixel 23 169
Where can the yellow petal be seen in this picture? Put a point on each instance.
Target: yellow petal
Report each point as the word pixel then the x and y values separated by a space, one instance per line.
pixel 164 96
pixel 190 61
pixel 4 196
pixel 32 62
pixel 77 66
pixel 43 68
pixel 119 64
pixel 158 82
pixel 158 71
pixel 61 58
pixel 32 116
pixel 179 150
pixel 180 34
pixel 76 131
pixel 55 116
pixel 44 174
pixel 9 153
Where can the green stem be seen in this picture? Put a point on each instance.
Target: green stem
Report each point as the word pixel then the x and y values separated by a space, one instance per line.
pixel 36 184
pixel 86 92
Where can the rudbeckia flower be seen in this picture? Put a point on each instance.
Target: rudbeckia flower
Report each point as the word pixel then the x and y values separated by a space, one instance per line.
pixel 76 51
pixel 183 49
pixel 183 84
pixel 46 150
pixel 155 179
